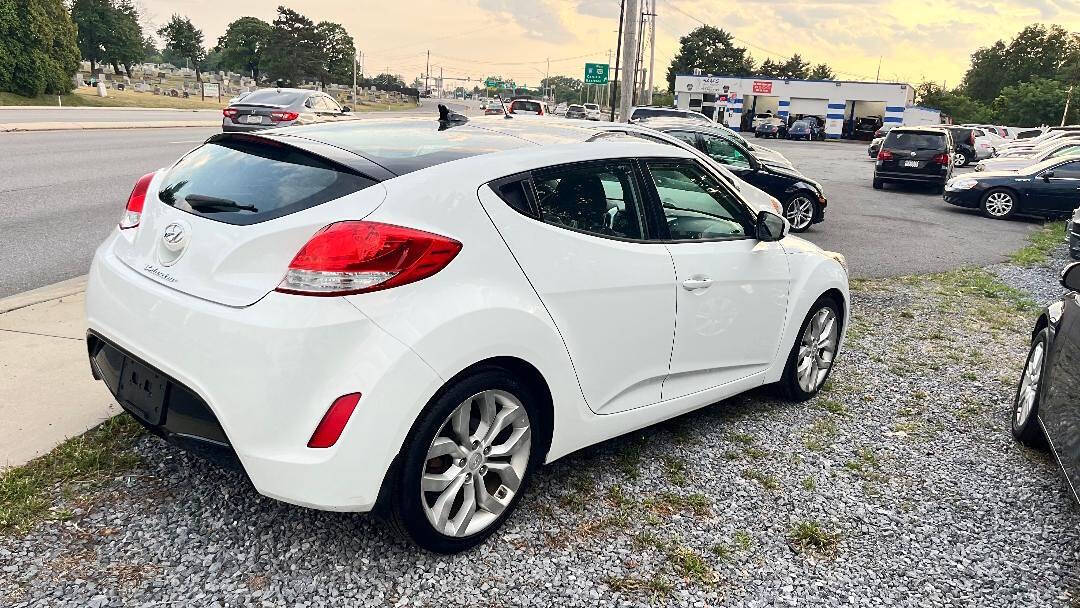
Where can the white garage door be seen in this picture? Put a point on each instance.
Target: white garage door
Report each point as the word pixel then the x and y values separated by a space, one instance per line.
pixel 811 107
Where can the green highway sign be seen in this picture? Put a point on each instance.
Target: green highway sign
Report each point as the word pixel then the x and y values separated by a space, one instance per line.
pixel 596 73
pixel 492 82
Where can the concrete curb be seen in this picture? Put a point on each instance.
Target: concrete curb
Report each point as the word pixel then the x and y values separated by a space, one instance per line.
pixel 43 294
pixel 110 108
pixel 11 127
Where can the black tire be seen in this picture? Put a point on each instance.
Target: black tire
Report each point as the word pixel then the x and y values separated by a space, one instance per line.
pixel 789 384
pixel 878 184
pixel 988 208
pixel 814 211
pixel 404 510
pixel 1027 430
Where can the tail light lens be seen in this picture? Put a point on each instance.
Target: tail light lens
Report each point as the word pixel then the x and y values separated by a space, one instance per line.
pixel 333 422
pixel 135 202
pixel 357 257
pixel 884 154
pixel 971 138
pixel 941 159
pixel 283 116
pixel 229 112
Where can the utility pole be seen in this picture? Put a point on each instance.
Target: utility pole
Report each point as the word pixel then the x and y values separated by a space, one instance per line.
pixel 547 77
pixel 652 53
pixel 441 87
pixel 354 62
pixel 1067 100
pixel 629 58
pixel 618 54
pixel 877 78
pixel 427 72
pixel 607 87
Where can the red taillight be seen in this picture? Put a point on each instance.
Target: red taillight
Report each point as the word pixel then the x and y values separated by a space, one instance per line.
pixel 229 112
pixel 941 159
pixel 133 210
pixel 884 154
pixel 971 138
pixel 283 116
pixel 356 257
pixel 333 422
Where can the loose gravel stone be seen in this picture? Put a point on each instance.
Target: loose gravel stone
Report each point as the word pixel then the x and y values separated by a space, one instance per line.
pixel 899 485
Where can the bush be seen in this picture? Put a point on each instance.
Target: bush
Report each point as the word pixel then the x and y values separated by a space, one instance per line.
pixel 38 53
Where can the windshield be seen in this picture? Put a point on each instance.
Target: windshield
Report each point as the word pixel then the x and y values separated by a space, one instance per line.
pixel 903 140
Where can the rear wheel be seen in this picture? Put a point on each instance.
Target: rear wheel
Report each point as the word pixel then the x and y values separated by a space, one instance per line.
pixel 999 204
pixel 878 184
pixel 960 159
pixel 799 211
pixel 1025 414
pixel 810 360
pixel 468 460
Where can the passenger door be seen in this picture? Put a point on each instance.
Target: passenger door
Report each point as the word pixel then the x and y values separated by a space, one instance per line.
pixel 579 234
pixel 1061 191
pixel 732 300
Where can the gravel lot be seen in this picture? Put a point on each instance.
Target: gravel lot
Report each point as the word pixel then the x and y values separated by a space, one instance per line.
pixel 899 485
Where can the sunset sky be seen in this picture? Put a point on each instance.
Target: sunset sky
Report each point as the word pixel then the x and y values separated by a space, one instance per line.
pixel 916 40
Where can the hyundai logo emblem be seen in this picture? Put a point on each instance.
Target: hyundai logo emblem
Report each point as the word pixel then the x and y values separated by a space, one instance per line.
pixel 174 233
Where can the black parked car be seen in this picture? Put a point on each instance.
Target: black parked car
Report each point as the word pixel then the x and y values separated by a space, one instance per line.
pixel 1046 189
pixel 1074 234
pixel 771 127
pixel 920 155
pixel 963 144
pixel 805 129
pixel 803 199
pixel 1046 410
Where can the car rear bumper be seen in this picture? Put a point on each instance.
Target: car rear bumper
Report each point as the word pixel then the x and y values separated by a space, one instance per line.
pixel 920 178
pixel 266 374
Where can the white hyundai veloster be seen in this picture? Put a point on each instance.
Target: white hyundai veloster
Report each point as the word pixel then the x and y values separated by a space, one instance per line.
pixel 417 314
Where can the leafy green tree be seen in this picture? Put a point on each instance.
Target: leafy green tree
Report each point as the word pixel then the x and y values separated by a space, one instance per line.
pixel 94 19
pixel 957 105
pixel 244 44
pixel 124 39
pixel 768 69
pixel 795 68
pixel 295 49
pixel 1037 51
pixel 712 50
pixel 39 51
pixel 1040 101
pixel 338 54
pixel 184 40
pixel 387 81
pixel 150 51
pixel 566 88
pixel 822 71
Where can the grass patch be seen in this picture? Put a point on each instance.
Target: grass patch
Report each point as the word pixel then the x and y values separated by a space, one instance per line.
pixel 809 484
pixel 820 435
pixel 810 536
pixel 675 469
pixel 77 465
pixel 833 406
pixel 1040 244
pixel 655 586
pixel 629 459
pixel 767 481
pixel 743 540
pixel 690 565
pixel 668 503
pixel 978 282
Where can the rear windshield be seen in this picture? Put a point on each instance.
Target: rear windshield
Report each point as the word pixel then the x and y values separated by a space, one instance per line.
pixel 645 113
pixel 907 140
pixel 576 108
pixel 527 106
pixel 271 97
pixel 247 181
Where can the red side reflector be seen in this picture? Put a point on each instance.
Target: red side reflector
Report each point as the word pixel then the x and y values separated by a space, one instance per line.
pixel 330 427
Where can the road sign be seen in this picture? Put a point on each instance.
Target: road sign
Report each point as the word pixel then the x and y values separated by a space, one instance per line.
pixel 596 73
pixel 492 82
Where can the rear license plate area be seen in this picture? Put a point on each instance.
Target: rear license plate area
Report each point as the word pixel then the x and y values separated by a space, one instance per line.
pixel 911 163
pixel 253 120
pixel 141 391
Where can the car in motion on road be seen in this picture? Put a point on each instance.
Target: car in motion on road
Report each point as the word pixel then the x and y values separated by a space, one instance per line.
pixel 1045 410
pixel 803 199
pixel 493 107
pixel 272 108
pixel 527 106
pixel 592 111
pixel 576 111
pixel 304 303
pixel 914 155
pixel 1047 189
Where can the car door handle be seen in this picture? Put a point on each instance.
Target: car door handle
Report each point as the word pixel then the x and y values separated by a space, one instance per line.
pixel 693 284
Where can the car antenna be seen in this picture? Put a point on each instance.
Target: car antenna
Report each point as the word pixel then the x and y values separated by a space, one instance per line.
pixel 448 115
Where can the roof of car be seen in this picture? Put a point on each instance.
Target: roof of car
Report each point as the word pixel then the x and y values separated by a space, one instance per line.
pixel 927 129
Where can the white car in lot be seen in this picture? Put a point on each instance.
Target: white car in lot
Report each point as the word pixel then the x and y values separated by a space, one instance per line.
pixel 592 111
pixel 1061 147
pixel 419 314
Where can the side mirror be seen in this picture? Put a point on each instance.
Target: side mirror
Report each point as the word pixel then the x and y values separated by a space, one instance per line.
pixel 1046 175
pixel 1070 277
pixel 771 227
pixel 346 109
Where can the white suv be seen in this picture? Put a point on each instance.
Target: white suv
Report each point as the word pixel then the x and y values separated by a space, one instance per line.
pixel 420 314
pixel 592 111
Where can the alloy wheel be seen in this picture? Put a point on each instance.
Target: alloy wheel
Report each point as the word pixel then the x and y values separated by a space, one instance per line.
pixel 959 159
pixel 475 463
pixel 817 347
pixel 999 204
pixel 1029 384
pixel 799 213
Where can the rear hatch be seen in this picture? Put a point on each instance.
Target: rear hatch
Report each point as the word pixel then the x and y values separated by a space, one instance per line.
pixel 915 152
pixel 225 221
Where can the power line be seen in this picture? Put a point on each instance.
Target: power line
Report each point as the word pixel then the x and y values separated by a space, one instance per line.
pixel 539 61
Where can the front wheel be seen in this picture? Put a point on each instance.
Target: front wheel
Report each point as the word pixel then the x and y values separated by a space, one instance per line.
pixel 799 211
pixel 467 462
pixel 1025 414
pixel 811 358
pixel 960 159
pixel 999 204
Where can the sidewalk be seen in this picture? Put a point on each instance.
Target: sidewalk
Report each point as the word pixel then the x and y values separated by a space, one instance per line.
pixel 46 391
pixel 64 126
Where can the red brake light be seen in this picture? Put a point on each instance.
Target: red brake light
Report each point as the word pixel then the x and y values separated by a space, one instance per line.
pixel 884 154
pixel 229 112
pixel 283 116
pixel 971 138
pixel 941 159
pixel 135 202
pixel 333 422
pixel 356 257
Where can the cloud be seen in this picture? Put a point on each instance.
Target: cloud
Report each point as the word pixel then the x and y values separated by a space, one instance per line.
pixel 539 20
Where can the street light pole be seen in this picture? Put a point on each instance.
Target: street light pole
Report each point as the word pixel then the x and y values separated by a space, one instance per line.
pixel 652 53
pixel 629 58
pixel 618 53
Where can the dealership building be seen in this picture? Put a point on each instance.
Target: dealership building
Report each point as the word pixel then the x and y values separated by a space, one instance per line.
pixel 733 100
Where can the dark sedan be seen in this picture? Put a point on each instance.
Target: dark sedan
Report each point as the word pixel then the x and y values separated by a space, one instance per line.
pixel 801 129
pixel 1046 411
pixel 803 199
pixel 271 108
pixel 773 128
pixel 1047 189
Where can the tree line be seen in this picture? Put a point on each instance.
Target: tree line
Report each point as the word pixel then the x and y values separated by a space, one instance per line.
pixel 713 51
pixel 1022 82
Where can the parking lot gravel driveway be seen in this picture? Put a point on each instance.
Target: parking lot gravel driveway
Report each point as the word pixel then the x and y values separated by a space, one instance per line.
pixel 899 485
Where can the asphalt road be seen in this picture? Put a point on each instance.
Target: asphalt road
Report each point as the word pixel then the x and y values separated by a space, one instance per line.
pixel 899 230
pixel 61 192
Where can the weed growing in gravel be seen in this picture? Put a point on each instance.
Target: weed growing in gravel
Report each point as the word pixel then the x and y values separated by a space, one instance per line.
pixel 738 437
pixel 629 459
pixel 767 481
pixel 90 460
pixel 833 406
pixel 978 282
pixel 675 469
pixel 655 586
pixel 820 435
pixel 755 452
pixel 809 484
pixel 1040 244
pixel 810 536
pixel 690 565
pixel 743 540
pixel 865 465
pixel 668 503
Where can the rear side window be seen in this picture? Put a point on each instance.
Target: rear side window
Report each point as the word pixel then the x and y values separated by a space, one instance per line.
pixel 271 97
pixel 246 181
pixel 906 140
pixel 597 198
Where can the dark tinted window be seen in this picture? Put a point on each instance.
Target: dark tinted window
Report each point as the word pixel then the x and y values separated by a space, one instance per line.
pixel 526 106
pixel 725 152
pixel 910 140
pixel 514 193
pixel 695 205
pixel 246 181
pixel 599 198
pixel 272 97
pixel 1068 170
